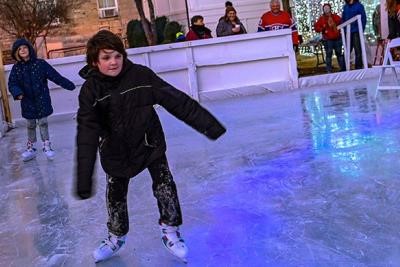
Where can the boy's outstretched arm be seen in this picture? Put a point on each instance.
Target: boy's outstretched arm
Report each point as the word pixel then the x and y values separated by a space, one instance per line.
pixel 185 108
pixel 57 78
pixel 87 142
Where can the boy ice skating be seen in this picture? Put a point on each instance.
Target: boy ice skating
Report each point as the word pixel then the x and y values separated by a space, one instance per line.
pixel 116 116
pixel 28 83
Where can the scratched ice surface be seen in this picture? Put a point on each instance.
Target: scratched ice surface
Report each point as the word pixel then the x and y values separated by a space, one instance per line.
pixel 303 178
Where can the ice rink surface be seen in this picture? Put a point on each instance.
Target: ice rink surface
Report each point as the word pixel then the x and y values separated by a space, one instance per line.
pixel 302 178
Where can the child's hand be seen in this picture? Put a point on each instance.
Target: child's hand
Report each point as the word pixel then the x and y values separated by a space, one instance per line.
pixel 20 97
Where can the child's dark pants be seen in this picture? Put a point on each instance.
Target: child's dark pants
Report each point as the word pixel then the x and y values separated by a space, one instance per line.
pixel 164 190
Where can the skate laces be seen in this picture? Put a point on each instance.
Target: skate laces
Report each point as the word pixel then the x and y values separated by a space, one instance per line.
pixel 29 146
pixel 47 146
pixel 171 235
pixel 113 242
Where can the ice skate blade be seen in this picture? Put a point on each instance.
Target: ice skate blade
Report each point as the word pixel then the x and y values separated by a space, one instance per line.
pixel 28 158
pixel 97 260
pixel 184 260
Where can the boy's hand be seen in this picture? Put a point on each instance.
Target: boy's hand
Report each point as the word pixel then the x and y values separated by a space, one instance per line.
pixel 215 132
pixel 20 97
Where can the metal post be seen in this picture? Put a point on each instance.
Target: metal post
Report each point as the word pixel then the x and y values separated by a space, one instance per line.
pixel 187 14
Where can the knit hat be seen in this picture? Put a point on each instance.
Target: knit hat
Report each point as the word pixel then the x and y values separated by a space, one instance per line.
pixel 229 9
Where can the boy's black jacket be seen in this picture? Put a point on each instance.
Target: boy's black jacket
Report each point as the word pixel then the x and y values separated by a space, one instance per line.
pixel 116 116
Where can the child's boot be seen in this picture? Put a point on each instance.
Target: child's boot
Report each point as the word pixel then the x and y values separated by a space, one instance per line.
pixel 30 152
pixel 48 150
pixel 171 238
pixel 108 247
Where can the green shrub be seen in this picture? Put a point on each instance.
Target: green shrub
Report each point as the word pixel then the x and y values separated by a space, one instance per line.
pixel 160 26
pixel 135 34
pixel 170 31
pixel 166 32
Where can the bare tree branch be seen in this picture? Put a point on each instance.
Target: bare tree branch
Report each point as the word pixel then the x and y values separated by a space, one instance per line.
pixel 34 18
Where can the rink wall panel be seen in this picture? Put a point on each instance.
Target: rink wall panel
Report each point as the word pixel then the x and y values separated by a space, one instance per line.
pixel 204 69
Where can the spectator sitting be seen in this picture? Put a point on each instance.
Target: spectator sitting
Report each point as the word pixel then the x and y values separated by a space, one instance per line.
pixel 277 19
pixel 198 30
pixel 230 24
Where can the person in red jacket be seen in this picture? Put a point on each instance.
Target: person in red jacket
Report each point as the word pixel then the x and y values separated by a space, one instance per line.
pixel 277 19
pixel 327 25
pixel 198 30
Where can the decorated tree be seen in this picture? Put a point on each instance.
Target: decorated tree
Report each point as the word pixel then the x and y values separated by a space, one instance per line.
pixel 308 11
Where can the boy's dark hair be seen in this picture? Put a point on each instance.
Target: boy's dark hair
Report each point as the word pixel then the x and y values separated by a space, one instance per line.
pixel 103 40
pixel 196 18
pixel 228 3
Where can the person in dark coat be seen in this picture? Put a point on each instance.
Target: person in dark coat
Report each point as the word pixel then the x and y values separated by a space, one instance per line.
pixel 117 117
pixel 28 83
pixel 198 30
pixel 350 9
pixel 230 24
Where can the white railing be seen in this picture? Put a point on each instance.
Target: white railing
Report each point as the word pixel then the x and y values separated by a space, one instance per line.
pixel 346 27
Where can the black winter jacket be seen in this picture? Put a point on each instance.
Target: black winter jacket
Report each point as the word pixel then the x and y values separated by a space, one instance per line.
pixel 116 115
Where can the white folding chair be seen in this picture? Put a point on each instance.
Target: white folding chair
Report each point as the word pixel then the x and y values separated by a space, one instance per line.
pixel 388 62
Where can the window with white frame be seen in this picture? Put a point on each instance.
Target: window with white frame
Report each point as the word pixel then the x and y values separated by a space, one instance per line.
pixel 107 8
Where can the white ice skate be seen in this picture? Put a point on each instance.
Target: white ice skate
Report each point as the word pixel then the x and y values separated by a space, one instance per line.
pixel 48 150
pixel 108 247
pixel 29 153
pixel 171 238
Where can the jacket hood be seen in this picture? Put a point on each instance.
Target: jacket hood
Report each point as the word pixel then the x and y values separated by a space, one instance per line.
pixel 87 71
pixel 18 43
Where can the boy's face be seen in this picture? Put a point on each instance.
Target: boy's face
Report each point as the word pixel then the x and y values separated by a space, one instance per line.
pixel 199 22
pixel 23 52
pixel 110 62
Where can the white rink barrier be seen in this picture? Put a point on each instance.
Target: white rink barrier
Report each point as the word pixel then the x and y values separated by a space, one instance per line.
pixel 205 69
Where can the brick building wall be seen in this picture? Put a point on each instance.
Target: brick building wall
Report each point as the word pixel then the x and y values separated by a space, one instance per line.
pixel 85 22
